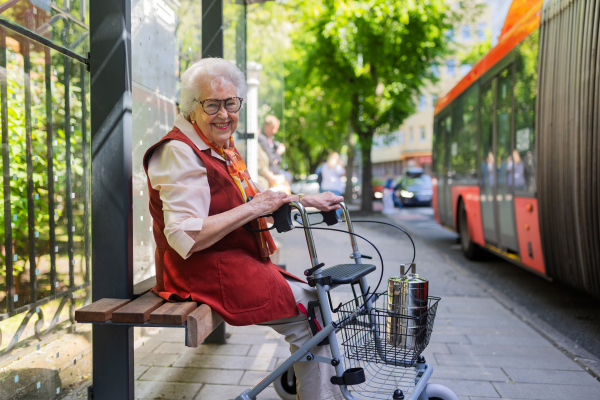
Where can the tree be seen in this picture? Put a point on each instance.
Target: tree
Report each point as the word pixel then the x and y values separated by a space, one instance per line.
pixel 372 58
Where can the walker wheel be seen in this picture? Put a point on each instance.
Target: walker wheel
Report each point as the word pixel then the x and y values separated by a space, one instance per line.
pixel 283 389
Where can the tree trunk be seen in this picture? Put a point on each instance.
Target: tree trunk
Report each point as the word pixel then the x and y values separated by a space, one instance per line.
pixel 350 168
pixel 366 141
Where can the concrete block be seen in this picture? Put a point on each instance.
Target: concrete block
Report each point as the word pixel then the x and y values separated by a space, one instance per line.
pixel 489 350
pixel 509 340
pixel 193 375
pixel 166 390
pixel 557 362
pixel 551 376
pixel 219 392
pixel 270 350
pixel 470 373
pixel 139 370
pixel 158 359
pixel 468 388
pixel 226 362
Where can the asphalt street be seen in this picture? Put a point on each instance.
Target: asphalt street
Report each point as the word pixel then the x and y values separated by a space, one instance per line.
pixel 570 311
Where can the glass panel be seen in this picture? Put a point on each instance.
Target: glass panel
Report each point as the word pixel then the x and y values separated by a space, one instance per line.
pixel 525 98
pixel 488 169
pixel 165 41
pixel 234 38
pixel 64 21
pixel 43 114
pixel 464 161
pixel 504 160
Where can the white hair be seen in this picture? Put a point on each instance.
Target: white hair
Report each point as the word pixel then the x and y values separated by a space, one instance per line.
pixel 211 71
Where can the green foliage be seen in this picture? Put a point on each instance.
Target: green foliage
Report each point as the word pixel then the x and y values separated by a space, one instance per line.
pixel 373 57
pixel 477 52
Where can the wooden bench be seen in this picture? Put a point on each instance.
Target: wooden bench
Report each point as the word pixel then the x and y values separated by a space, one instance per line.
pixel 150 310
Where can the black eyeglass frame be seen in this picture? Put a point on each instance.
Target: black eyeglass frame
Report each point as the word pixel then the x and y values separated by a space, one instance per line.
pixel 221 102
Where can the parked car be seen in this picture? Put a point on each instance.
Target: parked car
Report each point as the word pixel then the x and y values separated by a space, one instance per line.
pixel 377 187
pixel 414 189
pixel 306 186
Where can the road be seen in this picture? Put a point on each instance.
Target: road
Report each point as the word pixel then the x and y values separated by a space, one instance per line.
pixel 573 313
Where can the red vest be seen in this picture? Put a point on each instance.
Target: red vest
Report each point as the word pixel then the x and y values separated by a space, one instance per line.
pixel 229 276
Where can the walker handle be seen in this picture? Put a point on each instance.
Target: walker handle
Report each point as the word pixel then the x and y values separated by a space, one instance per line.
pixel 330 217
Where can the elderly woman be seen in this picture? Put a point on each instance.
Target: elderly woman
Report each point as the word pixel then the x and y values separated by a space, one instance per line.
pixel 199 191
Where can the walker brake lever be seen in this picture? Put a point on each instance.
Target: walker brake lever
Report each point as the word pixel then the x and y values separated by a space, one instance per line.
pixel 312 270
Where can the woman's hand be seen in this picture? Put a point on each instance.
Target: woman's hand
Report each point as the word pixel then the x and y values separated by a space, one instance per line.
pixel 268 201
pixel 326 201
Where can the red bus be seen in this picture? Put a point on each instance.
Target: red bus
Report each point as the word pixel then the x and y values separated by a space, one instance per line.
pixel 516 151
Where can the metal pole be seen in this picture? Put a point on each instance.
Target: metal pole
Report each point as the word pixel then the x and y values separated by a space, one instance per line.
pixel 112 217
pixel 212 28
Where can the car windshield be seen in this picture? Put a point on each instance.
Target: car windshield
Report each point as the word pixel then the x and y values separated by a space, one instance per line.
pixel 424 180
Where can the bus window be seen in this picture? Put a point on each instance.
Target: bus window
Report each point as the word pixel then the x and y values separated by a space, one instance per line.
pixel 488 169
pixel 525 98
pixel 464 137
pixel 505 161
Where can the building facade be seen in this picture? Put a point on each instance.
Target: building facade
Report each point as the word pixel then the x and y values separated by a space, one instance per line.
pixel 411 144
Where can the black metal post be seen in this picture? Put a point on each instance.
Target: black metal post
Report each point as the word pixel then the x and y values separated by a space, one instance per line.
pixel 212 28
pixel 112 217
pixel 212 46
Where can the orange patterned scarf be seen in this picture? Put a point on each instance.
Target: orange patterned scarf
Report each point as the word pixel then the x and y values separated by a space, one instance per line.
pixel 238 172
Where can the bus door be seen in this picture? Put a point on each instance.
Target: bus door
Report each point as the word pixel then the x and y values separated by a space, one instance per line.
pixel 445 180
pixel 497 189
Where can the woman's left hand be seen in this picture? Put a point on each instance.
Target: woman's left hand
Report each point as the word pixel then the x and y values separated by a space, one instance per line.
pixel 326 201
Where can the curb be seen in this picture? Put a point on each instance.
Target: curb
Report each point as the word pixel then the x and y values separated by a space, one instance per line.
pixel 579 355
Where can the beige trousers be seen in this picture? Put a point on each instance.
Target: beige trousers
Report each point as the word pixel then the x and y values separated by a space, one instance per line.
pixel 312 377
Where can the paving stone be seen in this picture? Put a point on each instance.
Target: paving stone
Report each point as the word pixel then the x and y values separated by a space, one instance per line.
pixel 509 340
pixel 270 350
pixel 485 322
pixel 546 391
pixel 489 350
pixel 551 376
pixel 226 362
pixel 516 330
pixel 470 373
pixel 468 388
pixel 158 359
pixel 444 338
pixel 166 390
pixel 139 370
pixel 175 335
pixel 558 362
pixel 252 378
pixel 194 375
pixel 219 392
pixel 438 348
pixel 172 347
pixel 146 344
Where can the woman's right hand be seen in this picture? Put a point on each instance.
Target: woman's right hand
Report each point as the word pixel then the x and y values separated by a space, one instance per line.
pixel 268 201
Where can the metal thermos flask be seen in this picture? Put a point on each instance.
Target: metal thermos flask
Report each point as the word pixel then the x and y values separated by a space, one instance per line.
pixel 407 307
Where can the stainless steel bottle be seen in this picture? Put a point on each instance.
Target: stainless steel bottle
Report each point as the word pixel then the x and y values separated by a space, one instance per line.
pixel 407 306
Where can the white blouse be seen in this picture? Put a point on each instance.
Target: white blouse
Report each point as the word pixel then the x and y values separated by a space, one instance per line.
pixel 180 176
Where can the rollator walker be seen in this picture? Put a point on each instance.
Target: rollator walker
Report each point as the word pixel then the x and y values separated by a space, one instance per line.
pixel 379 361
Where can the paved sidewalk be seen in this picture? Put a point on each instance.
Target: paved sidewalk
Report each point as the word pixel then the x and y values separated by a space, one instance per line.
pixel 478 348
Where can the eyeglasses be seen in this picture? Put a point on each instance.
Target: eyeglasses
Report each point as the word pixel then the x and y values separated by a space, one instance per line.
pixel 212 106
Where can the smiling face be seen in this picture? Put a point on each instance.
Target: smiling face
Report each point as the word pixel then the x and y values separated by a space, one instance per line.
pixel 217 128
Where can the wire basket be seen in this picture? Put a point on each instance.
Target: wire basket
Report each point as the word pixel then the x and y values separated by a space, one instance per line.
pixel 376 335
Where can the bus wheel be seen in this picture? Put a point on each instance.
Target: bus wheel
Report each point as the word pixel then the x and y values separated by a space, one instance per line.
pixel 471 250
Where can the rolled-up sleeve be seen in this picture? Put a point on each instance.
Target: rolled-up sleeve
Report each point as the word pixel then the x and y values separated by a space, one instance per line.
pixel 180 176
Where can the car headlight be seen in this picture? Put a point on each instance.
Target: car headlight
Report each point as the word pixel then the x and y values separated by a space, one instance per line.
pixel 378 195
pixel 406 194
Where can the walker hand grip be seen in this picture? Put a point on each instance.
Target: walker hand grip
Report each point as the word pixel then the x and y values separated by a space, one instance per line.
pixel 282 218
pixel 330 217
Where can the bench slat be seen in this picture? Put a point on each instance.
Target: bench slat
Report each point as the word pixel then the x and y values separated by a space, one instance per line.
pixel 99 311
pixel 201 322
pixel 172 313
pixel 138 311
